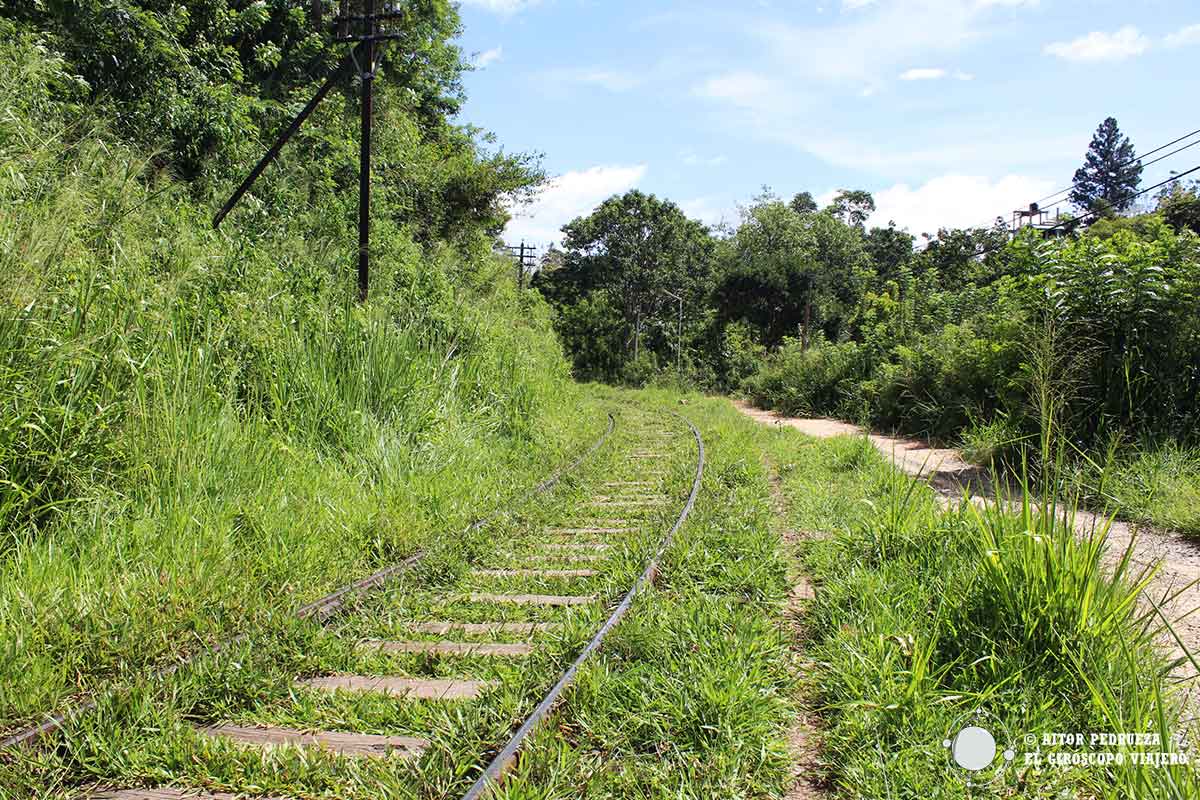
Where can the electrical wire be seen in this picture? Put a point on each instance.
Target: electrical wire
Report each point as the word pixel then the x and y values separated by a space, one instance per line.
pixel 1146 164
pixel 1079 220
pixel 1122 165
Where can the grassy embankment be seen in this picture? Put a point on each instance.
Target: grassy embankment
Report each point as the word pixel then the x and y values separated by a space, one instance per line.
pixel 201 431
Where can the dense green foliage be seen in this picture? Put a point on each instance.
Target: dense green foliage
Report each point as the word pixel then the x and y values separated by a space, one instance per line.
pixel 1107 322
pixel 207 86
pixel 968 339
pixel 631 260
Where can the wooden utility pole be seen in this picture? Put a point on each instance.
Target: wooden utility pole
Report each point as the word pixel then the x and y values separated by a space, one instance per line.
pixel 367 75
pixel 363 23
pixel 678 335
pixel 521 267
pixel 524 256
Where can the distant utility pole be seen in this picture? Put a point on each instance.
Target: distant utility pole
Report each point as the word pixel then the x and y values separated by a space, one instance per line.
pixel 366 23
pixel 678 336
pixel 524 256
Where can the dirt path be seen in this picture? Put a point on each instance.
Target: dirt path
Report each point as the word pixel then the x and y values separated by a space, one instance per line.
pixel 809 777
pixel 951 477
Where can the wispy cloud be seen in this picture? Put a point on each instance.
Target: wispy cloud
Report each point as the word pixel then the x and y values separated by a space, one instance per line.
pixel 612 80
pixel 708 210
pixel 1101 46
pixel 505 7
pixel 691 159
pixel 933 74
pixel 742 88
pixel 1183 37
pixel 923 74
pixel 569 196
pixel 489 57
pixel 875 43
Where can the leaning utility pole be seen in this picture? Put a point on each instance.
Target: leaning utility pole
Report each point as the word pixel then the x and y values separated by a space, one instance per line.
pixel 365 23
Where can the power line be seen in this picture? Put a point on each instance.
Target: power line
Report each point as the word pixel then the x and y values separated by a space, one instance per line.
pixel 1079 220
pixel 1146 164
pixel 1120 166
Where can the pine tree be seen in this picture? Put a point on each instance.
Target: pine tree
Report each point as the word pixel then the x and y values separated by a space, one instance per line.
pixel 1110 175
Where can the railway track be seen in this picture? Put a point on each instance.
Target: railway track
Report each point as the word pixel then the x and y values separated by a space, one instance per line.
pixel 446 664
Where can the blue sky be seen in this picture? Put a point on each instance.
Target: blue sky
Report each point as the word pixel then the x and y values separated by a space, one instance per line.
pixel 951 111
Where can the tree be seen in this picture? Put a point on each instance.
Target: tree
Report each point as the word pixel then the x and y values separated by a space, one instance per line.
pixel 631 250
pixel 891 250
pixel 803 203
pixel 1109 177
pixel 853 207
pixel 1181 206
pixel 204 81
pixel 788 272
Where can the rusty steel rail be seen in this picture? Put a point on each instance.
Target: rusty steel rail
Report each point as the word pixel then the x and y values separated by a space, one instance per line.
pixel 328 606
pixel 494 772
pixel 321 610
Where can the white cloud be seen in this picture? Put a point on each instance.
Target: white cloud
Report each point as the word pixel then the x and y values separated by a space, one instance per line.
pixel 569 196
pixel 1100 46
pixel 612 80
pixel 505 7
pixel 691 159
pixel 489 57
pixel 1184 37
pixel 797 93
pixel 923 74
pixel 953 201
pixel 874 44
pixel 742 88
pixel 933 74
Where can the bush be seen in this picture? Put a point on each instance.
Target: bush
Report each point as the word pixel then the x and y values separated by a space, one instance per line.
pixel 823 379
pixel 941 382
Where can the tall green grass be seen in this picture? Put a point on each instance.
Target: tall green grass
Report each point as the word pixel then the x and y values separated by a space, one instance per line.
pixel 1000 615
pixel 200 431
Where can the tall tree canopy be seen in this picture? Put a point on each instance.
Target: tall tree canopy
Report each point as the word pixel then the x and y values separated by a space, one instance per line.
pixel 786 272
pixel 628 254
pixel 194 76
pixel 1110 174
pixel 853 207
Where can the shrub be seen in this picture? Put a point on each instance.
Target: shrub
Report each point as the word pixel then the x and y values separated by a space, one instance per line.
pixel 822 379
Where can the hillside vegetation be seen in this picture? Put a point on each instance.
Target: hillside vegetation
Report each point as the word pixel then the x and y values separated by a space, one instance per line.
pixel 201 430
